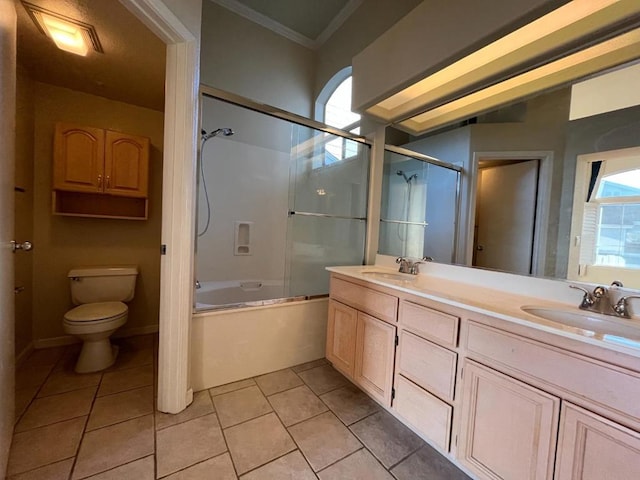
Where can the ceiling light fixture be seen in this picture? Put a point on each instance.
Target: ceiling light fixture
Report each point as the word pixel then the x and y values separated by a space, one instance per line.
pixel 68 34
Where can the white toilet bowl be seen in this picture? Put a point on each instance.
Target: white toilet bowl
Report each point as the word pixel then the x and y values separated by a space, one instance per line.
pixel 94 323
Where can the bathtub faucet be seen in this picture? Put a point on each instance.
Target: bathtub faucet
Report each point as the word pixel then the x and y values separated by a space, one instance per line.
pixel 198 284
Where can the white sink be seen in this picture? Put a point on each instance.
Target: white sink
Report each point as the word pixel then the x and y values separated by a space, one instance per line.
pixel 381 275
pixel 598 324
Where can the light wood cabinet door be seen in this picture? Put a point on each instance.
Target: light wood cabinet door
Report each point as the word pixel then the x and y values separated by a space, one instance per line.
pixel 78 158
pixel 375 347
pixel 509 428
pixel 594 448
pixel 126 165
pixel 341 337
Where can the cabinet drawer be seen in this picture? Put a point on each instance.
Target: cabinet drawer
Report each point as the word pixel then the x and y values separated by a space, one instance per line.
pixel 615 390
pixel 429 365
pixel 427 414
pixel 439 327
pixel 378 304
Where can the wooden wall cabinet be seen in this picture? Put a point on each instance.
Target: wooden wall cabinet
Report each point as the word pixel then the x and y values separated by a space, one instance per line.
pixel 100 173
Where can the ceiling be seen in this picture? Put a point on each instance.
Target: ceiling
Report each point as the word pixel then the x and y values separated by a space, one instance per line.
pixel 307 22
pixel 130 70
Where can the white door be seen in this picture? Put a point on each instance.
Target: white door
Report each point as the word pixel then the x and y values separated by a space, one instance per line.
pixel 505 217
pixel 7 142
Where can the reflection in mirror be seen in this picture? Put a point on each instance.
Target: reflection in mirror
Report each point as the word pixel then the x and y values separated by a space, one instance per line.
pixel 554 128
pixel 419 205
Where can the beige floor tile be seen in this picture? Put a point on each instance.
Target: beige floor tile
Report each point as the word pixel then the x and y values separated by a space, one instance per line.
pixel 296 405
pixel 129 357
pixel 290 467
pixel 359 466
pixel 427 464
pixel 218 468
pixel 257 442
pixel 23 399
pixel 56 408
pixel 239 406
pixel 110 447
pixel 69 358
pixel 324 440
pixel 309 365
pixel 55 471
pixel 123 380
pixel 120 407
pixel 350 404
pixel 143 469
pixel 323 379
pixel 231 387
pixel 32 376
pixel 188 443
pixel 278 381
pixel 200 406
pixel 388 439
pixel 45 356
pixel 66 381
pixel 42 446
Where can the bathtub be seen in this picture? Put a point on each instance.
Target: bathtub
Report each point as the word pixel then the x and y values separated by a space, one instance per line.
pixel 233 293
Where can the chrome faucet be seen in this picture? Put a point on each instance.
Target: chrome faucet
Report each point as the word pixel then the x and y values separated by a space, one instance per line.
pixel 599 301
pixel 409 266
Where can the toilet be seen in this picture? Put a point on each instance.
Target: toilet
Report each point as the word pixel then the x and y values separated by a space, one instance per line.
pixel 99 293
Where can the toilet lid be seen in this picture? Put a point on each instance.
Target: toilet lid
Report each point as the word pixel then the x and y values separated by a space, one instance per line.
pixel 90 312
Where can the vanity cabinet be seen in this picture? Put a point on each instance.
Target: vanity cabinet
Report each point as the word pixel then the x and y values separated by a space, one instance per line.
pixel 508 427
pixel 99 172
pixel 425 371
pixel 591 447
pixel 361 336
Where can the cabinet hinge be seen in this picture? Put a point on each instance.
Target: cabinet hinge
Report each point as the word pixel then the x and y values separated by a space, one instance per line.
pixel 393 393
pixel 455 441
pixel 163 249
pixel 461 373
pixel 397 340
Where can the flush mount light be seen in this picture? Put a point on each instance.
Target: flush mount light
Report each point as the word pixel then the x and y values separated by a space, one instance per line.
pixel 68 34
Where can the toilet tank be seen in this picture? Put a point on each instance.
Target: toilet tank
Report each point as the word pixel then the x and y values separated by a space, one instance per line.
pixel 102 284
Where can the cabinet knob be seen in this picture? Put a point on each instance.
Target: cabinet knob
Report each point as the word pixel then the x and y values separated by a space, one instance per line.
pixel 108 181
pixel 99 180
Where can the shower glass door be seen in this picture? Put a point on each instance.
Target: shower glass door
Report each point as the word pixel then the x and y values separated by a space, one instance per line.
pixel 277 203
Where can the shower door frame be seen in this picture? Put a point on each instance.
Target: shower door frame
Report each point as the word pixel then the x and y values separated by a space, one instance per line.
pixel 237 100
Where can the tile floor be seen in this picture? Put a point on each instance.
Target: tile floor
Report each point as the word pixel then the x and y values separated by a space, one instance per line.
pixel 306 422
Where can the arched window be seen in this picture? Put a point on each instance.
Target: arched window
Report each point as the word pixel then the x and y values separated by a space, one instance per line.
pixel 333 107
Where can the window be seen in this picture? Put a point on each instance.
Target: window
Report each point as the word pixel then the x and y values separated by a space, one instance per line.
pixel 334 108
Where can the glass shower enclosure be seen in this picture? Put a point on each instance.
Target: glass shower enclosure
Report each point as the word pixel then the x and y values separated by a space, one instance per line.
pixel 279 198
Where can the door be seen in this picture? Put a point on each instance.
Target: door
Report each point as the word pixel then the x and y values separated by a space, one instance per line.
pixel 341 337
pixel 375 347
pixel 126 164
pixel 505 217
pixel 7 153
pixel 78 154
pixel 594 448
pixel 509 428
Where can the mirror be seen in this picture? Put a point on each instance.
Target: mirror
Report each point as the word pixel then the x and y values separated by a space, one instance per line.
pixel 519 172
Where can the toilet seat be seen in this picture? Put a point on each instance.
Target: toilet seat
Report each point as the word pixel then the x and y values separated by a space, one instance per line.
pixel 95 313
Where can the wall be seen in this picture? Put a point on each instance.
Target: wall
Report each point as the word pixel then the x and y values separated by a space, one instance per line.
pixel 241 57
pixel 24 209
pixel 65 242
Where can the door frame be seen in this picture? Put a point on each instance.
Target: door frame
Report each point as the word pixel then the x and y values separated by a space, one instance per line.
pixel 541 228
pixel 178 192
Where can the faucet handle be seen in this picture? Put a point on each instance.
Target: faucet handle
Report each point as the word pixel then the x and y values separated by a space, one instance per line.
pixel 587 300
pixel 622 307
pixel 617 283
pixel 400 260
pixel 427 259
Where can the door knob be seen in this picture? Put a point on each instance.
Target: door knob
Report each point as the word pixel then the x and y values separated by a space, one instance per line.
pixel 480 248
pixel 26 246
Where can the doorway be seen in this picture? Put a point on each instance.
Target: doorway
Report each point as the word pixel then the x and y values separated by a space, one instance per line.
pixel 509 196
pixel 506 201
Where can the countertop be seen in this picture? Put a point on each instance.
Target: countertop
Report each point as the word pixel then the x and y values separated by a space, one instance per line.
pixel 499 304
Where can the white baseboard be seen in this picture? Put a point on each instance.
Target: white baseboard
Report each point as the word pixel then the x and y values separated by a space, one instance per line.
pixel 70 339
pixel 22 356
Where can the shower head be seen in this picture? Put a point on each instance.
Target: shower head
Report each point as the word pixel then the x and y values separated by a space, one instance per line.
pixel 400 173
pixel 219 131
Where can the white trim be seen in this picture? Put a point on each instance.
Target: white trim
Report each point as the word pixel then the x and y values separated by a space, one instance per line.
pixel 178 199
pixel 51 342
pixel 288 33
pixel 542 207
